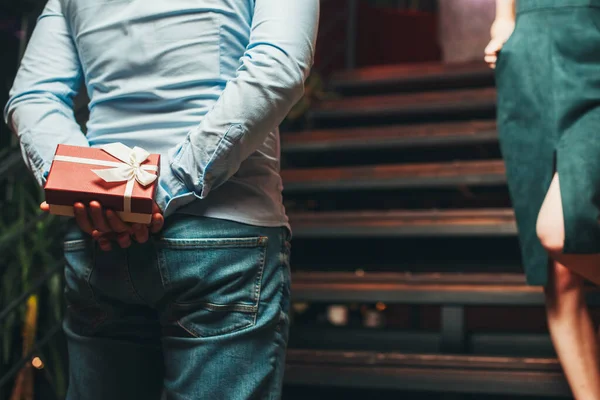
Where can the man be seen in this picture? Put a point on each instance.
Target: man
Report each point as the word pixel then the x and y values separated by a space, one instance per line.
pixel 201 308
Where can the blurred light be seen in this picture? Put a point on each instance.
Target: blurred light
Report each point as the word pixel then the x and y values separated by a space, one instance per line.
pixel 359 272
pixel 337 315
pixel 37 363
pixel 300 307
pixel 380 306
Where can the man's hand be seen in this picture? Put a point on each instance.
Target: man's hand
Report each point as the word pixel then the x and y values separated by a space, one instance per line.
pixel 106 226
pixel 501 30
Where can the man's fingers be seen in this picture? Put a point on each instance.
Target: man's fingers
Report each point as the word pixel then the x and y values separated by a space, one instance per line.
pixel 124 240
pixel 104 244
pixel 98 217
pixel 116 223
pixel 102 222
pixel 158 220
pixel 103 240
pixel 140 233
pixel 157 223
pixel 82 218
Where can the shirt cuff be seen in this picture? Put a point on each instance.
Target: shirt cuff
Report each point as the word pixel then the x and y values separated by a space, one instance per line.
pixel 171 192
pixel 208 167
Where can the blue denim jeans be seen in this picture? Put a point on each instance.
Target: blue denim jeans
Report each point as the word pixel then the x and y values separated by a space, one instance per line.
pixel 201 311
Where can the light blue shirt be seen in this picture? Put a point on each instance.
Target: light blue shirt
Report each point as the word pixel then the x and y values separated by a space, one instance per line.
pixel 205 83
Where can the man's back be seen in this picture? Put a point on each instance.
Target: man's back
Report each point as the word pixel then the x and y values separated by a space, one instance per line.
pixel 154 68
pixel 198 81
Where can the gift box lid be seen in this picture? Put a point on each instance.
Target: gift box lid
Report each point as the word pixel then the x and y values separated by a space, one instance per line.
pixel 69 182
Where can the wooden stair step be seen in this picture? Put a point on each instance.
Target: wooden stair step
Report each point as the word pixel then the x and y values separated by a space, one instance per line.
pixel 469 173
pixel 403 77
pixel 307 334
pixel 419 288
pixel 462 102
pixel 423 360
pixel 431 372
pixel 478 222
pixel 399 136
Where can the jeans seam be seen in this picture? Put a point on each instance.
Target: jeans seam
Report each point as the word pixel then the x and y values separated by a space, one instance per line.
pixel 278 333
pixel 89 273
pixel 188 330
pixel 223 331
pixel 162 270
pixel 258 284
pixel 74 245
pixel 222 307
pixel 282 266
pixel 212 243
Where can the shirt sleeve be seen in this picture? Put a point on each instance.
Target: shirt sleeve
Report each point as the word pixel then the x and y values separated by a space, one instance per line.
pixel 40 105
pixel 268 82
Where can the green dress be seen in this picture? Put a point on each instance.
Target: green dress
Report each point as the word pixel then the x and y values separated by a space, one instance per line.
pixel 548 81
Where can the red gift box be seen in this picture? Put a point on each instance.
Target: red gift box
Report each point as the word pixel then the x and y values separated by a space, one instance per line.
pixel 114 175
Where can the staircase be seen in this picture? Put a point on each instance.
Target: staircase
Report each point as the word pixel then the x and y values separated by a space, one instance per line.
pixel 396 194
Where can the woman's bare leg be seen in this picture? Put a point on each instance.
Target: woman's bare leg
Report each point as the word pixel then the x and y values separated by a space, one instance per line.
pixel 570 325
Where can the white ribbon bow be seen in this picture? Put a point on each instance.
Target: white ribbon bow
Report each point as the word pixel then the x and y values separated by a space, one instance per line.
pixel 131 169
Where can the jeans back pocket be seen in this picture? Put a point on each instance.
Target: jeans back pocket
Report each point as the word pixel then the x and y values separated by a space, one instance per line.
pixel 212 286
